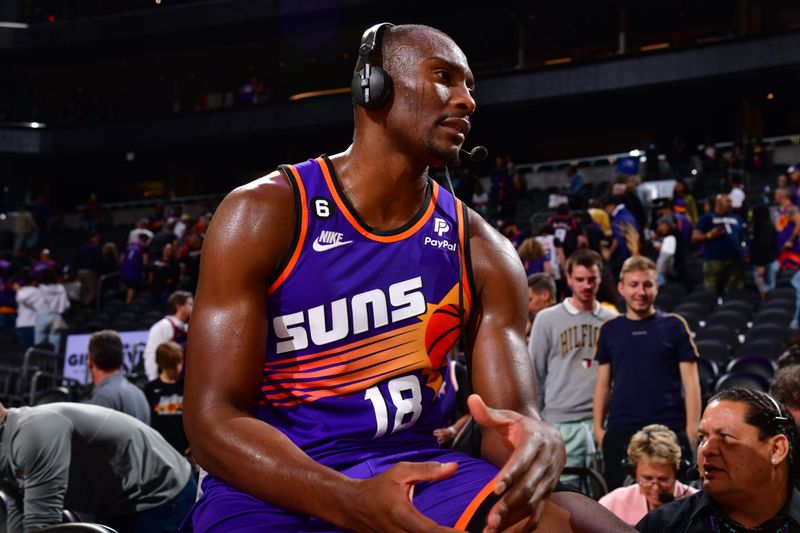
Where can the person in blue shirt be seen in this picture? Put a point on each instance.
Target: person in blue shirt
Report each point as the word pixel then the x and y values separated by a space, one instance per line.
pixel 625 230
pixel 721 233
pixel 646 374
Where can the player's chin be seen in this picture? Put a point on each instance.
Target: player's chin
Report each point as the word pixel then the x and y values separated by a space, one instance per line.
pixel 443 155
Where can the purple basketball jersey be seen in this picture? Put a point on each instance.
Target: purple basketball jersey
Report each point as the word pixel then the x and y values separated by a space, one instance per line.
pixel 360 323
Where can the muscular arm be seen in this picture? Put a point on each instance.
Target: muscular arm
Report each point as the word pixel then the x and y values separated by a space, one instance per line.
pixel 529 452
pixel 499 351
pixel 246 241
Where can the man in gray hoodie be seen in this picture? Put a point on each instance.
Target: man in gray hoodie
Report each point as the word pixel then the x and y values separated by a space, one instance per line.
pixel 562 345
pixel 90 459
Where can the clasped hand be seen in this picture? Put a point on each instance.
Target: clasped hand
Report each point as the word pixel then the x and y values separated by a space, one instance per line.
pixel 532 456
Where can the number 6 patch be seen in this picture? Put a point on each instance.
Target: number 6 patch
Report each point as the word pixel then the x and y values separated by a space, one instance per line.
pixel 323 208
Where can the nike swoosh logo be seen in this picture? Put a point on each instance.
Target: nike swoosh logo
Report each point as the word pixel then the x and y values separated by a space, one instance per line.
pixel 319 247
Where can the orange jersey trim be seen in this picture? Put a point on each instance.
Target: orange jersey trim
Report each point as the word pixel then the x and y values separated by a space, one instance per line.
pixel 469 512
pixel 301 191
pixel 363 231
pixel 462 257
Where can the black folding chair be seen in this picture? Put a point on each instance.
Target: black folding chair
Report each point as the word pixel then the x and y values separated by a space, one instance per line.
pixel 742 379
pixel 755 364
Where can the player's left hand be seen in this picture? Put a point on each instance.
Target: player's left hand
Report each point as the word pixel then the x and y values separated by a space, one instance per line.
pixel 531 471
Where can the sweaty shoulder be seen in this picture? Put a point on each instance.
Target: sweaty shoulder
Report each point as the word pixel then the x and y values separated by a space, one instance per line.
pixel 256 221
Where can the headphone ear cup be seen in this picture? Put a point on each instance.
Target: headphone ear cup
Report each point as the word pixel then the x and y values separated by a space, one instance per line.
pixel 379 85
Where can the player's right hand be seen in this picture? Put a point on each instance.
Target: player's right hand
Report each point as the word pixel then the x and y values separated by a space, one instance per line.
pixel 383 503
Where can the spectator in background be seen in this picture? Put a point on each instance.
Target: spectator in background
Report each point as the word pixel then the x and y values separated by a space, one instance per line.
pixel 88 262
pixel 157 218
pixel 8 299
pixel 141 228
pixel 182 226
pixel 602 219
pixel 50 304
pixel 498 179
pixel 594 233
pixel 747 457
pixel 672 252
pixel 567 229
pixel 189 262
pixel 737 194
pixel 534 258
pixel 786 388
pixel 654 460
pixel 28 295
pixel 647 371
pixel 562 347
pixel 163 275
pixel 165 396
pixel 788 227
pixel 722 233
pixel 575 185
pixel 132 265
pixel 166 235
pixel 541 295
pixel 510 231
pixel 625 230
pixel 607 293
pixel 91 460
pixel 682 197
pixel 45 261
pixel 554 254
pixel 625 186
pixel 92 213
pixel 172 327
pixel 111 388
pixel 26 231
pixel 109 264
pixel 480 200
pixel 763 250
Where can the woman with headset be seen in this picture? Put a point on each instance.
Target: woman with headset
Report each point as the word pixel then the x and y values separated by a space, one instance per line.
pixel 654 461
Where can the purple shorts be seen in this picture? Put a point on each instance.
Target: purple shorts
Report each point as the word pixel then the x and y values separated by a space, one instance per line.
pixel 222 508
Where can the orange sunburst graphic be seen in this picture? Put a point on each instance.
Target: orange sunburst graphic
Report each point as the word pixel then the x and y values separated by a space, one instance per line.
pixel 366 362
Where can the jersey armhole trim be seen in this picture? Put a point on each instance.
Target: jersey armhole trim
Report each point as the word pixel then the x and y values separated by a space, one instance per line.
pixel 289 261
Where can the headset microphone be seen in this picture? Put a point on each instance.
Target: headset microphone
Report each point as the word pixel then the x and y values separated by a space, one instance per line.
pixel 477 154
pixel 693 474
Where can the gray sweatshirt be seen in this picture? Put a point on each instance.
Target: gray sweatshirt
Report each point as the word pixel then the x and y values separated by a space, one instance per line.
pixel 562 345
pixel 84 458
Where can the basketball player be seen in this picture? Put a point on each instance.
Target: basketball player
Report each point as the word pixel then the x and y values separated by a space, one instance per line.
pixel 330 292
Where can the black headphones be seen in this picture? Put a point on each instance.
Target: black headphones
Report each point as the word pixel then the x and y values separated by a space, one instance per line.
pixel 371 86
pixel 681 474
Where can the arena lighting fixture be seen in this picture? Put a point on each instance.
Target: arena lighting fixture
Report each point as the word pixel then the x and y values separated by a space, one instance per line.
pixel 558 61
pixel 770 96
pixel 634 153
pixel 643 159
pixel 655 46
pixel 694 172
pixel 314 94
pixel 13 25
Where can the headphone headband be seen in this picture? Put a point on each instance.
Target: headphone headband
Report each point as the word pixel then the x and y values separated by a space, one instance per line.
pixel 370 39
pixel 779 416
pixel 371 86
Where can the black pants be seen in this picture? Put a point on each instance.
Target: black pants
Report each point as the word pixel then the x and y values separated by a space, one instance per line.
pixel 615 449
